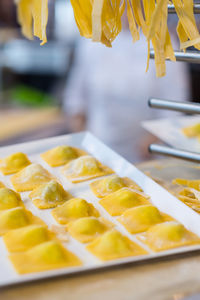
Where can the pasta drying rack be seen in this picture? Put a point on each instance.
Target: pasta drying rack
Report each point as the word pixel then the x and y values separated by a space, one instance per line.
pixel 185 107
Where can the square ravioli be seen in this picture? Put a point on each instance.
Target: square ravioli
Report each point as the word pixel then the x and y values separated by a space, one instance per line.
pixel 49 195
pixel 141 218
pixel 43 257
pixel 84 168
pixel 105 186
pixel 87 229
pixel 168 235
pixel 22 239
pixel 113 245
pixel 116 203
pixel 195 184
pixel 74 209
pixel 61 155
pixel 15 218
pixel 9 199
pixel 30 177
pixel 14 163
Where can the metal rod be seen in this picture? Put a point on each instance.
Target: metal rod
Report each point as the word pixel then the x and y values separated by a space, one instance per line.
pixel 184 107
pixel 189 57
pixel 172 10
pixel 178 153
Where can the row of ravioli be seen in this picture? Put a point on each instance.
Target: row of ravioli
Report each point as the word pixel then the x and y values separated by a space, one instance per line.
pixel 119 196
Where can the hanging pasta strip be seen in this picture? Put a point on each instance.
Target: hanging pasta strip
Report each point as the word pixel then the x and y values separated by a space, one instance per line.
pixel 186 17
pixel 97 11
pixel 137 10
pixel 40 17
pixel 83 17
pixel 132 24
pixel 24 17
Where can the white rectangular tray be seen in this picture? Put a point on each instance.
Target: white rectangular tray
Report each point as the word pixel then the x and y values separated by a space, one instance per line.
pixel 169 130
pixel 159 197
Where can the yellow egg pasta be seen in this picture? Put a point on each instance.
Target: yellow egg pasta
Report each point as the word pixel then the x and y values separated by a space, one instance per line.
pixel 191 198
pixel 74 209
pixel 61 155
pixel 100 20
pixel 192 131
pixel 113 245
pixel 87 229
pixel 49 195
pixel 110 184
pixel 15 218
pixel 43 257
pixel 14 163
pixel 116 203
pixel 22 239
pixel 33 18
pixel 84 168
pixel 30 177
pixel 195 184
pixel 168 235
pixel 139 219
pixel 9 199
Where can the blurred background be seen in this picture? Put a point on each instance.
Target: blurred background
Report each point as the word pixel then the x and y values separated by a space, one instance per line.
pixel 71 84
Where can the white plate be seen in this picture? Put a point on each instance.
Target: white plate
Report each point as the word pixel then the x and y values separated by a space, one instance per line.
pixel 159 197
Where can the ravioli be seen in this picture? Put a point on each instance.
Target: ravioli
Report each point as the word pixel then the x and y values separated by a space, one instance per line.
pixel 46 256
pixel 49 195
pixel 14 163
pixel 141 218
pixel 195 184
pixel 84 168
pixel 9 199
pixel 116 203
pixel 192 131
pixel 15 218
pixel 87 229
pixel 73 209
pixel 30 178
pixel 22 239
pixel 61 155
pixel 113 245
pixel 168 235
pixel 110 184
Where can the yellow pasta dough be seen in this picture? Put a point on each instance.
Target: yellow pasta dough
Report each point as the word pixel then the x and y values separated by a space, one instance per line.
pixel 22 239
pixel 113 245
pixel 168 235
pixel 84 168
pixel 61 155
pixel 46 256
pixel 195 184
pixel 141 218
pixel 15 218
pixel 73 209
pixel 30 177
pixel 192 131
pixel 14 163
pixel 9 199
pixel 87 229
pixel 110 184
pixel 191 198
pixel 49 195
pixel 119 201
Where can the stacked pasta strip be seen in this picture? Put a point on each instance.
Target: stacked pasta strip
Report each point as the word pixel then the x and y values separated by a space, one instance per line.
pixel 101 20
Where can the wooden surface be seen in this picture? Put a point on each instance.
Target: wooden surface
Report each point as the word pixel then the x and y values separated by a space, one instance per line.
pixel 170 279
